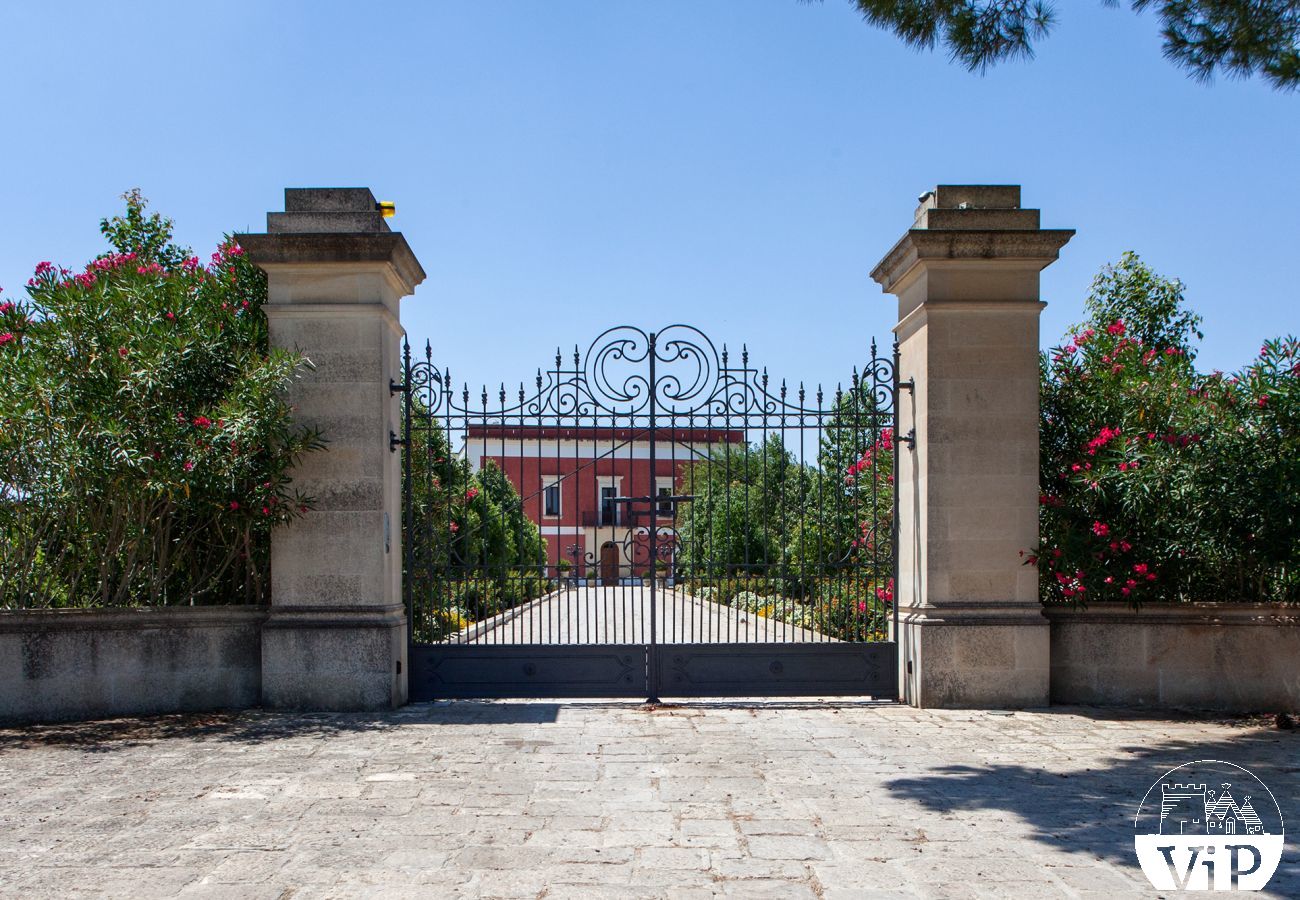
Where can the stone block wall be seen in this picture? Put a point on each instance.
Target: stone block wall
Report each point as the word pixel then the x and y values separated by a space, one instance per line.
pixel 1232 657
pixel 60 665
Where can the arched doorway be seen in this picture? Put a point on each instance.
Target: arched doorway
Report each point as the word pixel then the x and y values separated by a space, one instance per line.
pixel 609 563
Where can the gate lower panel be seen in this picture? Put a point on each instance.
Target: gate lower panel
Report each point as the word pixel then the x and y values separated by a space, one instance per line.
pixel 527 671
pixel 778 670
pixel 465 671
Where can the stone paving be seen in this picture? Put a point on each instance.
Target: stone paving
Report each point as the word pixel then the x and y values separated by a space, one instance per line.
pixel 475 799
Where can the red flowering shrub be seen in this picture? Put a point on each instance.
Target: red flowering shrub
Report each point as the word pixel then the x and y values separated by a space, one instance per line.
pixel 144 447
pixel 1159 482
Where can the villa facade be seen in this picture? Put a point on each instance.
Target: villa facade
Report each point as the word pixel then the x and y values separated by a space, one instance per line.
pixel 594 491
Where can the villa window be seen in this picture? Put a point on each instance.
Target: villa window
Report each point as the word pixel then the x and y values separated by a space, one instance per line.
pixel 608 508
pixel 551 500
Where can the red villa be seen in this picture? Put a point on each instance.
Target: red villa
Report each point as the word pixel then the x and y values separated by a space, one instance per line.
pixel 570 477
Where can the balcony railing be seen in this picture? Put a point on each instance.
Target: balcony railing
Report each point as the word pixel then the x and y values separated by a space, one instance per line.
pixel 623 518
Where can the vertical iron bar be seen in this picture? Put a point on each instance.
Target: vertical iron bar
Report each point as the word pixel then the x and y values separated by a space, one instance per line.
pixel 408 543
pixel 652 672
pixel 898 449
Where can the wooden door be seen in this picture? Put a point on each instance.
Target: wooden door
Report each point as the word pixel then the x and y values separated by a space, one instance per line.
pixel 609 563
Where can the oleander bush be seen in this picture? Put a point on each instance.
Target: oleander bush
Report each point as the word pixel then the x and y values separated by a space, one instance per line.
pixel 1161 482
pixel 144 444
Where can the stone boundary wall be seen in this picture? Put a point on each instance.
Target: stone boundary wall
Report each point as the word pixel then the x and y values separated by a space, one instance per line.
pixel 59 665
pixel 1231 657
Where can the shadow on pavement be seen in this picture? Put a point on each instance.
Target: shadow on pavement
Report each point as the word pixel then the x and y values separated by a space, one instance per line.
pixel 1090 811
pixel 249 726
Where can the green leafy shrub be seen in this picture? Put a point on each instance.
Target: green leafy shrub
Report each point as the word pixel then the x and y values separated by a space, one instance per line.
pixel 144 444
pixel 1159 482
pixel 474 552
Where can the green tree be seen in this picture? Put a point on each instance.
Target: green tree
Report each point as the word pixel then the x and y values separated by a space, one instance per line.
pixel 145 449
pixel 748 503
pixel 473 549
pixel 1240 37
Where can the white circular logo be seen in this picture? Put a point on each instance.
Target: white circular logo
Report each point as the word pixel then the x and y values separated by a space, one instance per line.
pixel 1209 826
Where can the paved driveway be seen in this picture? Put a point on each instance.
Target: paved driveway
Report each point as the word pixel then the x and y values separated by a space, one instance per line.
pixel 470 799
pixel 605 614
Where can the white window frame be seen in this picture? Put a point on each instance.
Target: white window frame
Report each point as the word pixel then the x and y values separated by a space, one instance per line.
pixel 555 481
pixel 609 481
pixel 663 484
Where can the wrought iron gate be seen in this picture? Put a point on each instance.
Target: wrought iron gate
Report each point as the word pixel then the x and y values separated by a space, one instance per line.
pixel 651 517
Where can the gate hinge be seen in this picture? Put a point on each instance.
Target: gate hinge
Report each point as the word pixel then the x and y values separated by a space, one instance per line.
pixel 395 387
pixel 394 442
pixel 909 439
pixel 909 385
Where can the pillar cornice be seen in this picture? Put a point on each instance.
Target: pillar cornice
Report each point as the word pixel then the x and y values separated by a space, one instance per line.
pixel 326 251
pixel 1034 249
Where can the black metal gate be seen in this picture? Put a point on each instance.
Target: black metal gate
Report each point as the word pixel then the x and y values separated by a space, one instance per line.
pixel 652 517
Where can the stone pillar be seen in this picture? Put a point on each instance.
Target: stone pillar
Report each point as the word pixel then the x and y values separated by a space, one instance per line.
pixel 966 277
pixel 336 635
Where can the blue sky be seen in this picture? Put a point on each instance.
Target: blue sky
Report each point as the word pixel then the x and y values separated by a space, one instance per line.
pixel 560 167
